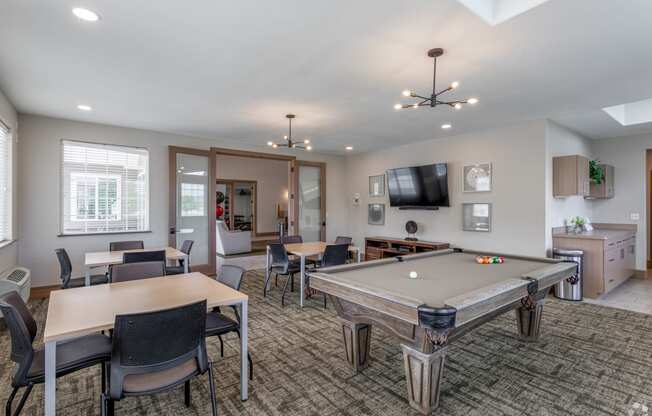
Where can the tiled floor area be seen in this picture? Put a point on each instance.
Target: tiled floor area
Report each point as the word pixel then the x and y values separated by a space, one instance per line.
pixel 633 295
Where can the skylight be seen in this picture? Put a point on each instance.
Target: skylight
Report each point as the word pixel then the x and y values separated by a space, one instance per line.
pixel 496 12
pixel 629 114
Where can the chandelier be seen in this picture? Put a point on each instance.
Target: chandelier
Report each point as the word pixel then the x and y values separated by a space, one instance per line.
pixel 434 100
pixel 289 143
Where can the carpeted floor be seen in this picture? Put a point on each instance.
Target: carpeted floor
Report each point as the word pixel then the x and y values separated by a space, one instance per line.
pixel 591 361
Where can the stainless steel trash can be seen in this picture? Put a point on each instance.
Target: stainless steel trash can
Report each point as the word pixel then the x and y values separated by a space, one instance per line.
pixel 571 288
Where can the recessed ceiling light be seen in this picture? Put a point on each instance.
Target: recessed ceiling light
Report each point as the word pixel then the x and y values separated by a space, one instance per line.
pixel 84 107
pixel 85 14
pixel 472 100
pixel 349 147
pixel 446 126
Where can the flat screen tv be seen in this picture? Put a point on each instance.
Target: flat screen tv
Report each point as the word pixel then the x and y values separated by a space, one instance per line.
pixel 419 187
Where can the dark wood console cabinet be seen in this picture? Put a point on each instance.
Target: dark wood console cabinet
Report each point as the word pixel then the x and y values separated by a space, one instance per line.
pixel 383 247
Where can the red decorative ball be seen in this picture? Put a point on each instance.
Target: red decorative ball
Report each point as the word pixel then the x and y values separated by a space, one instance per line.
pixel 219 211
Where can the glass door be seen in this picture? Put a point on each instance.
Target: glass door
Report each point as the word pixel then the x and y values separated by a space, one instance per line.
pixel 191 213
pixel 311 202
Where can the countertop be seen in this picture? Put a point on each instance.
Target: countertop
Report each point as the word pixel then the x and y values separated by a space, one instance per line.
pixel 596 234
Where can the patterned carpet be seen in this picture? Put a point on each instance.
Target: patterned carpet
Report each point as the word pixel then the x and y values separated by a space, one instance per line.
pixel 591 360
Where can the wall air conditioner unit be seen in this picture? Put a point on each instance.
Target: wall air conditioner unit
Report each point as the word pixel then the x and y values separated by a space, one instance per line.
pixel 18 279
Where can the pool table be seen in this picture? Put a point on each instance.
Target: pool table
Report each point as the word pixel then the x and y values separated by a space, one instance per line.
pixel 450 294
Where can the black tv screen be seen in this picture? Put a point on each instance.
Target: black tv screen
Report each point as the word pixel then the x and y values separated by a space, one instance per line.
pixel 419 186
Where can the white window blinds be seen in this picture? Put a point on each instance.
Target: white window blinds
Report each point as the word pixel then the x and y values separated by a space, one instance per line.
pixel 105 188
pixel 5 182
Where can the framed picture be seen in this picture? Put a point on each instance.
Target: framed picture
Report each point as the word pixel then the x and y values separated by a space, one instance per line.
pixel 476 217
pixel 377 185
pixel 477 178
pixel 376 214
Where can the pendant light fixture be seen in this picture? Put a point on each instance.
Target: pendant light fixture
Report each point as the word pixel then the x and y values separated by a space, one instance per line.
pixel 434 99
pixel 288 141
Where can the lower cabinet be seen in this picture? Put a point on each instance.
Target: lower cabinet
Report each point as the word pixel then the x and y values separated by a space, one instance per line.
pixel 607 263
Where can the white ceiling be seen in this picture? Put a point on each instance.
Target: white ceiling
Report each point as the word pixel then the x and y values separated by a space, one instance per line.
pixel 232 70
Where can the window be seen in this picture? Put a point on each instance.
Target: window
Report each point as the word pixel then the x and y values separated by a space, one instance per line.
pixel 105 188
pixel 5 183
pixel 192 200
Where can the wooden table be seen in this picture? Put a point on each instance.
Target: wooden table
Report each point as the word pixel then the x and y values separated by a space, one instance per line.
pixel 107 258
pixel 84 310
pixel 303 250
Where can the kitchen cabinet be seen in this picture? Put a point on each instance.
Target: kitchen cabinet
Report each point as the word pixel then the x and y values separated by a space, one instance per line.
pixel 605 190
pixel 570 176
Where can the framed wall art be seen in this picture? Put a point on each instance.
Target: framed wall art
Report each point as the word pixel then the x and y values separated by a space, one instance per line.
pixel 477 177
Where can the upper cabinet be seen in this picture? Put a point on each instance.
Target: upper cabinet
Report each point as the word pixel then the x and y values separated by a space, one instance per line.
pixel 570 176
pixel 605 190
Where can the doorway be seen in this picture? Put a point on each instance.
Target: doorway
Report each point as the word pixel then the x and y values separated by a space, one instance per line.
pixel 312 200
pixel 190 185
pixel 236 204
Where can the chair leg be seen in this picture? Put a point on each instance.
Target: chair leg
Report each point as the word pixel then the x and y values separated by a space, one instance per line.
pixel 103 365
pixel 186 393
pixel 269 276
pixel 292 282
pixel 221 346
pixel 23 399
pixel 324 300
pixel 285 288
pixel 10 400
pixel 103 405
pixel 211 384
pixel 275 279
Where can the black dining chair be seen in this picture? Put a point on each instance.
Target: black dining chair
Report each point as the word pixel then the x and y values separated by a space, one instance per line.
pixel 292 239
pixel 343 240
pixel 136 271
pixel 334 255
pixel 126 245
pixel 72 355
pixel 67 281
pixel 186 247
pixel 141 256
pixel 218 324
pixel 141 366
pixel 281 265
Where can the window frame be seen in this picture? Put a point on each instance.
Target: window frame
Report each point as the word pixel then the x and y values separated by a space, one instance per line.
pixel 62 200
pixel 9 238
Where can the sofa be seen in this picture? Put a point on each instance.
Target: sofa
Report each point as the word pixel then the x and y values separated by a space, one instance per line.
pixel 231 242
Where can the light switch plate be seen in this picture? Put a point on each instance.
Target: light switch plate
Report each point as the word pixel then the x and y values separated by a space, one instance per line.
pixel 634 216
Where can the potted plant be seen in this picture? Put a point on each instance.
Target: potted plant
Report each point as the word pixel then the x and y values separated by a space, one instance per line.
pixel 576 224
pixel 596 172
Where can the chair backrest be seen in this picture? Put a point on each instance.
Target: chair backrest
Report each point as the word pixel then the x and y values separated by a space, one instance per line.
pixel 187 246
pixel 138 339
pixel 335 255
pixel 279 256
pixel 231 276
pixel 141 256
pixel 126 245
pixel 65 267
pixel 136 271
pixel 292 239
pixel 22 328
pixel 343 240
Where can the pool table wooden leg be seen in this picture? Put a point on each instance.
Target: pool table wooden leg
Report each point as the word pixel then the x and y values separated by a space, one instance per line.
pixel 357 341
pixel 528 316
pixel 424 373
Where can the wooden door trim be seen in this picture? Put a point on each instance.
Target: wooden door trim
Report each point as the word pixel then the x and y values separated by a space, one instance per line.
pixel 246 153
pixel 322 196
pixel 172 200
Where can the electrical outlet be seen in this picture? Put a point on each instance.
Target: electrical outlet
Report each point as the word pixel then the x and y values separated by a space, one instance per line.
pixel 634 216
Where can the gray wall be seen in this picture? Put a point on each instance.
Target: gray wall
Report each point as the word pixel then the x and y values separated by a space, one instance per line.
pixel 628 156
pixel 562 142
pixel 39 189
pixel 518 195
pixel 9 252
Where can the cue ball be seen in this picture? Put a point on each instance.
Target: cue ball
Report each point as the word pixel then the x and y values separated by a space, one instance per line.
pixel 413 275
